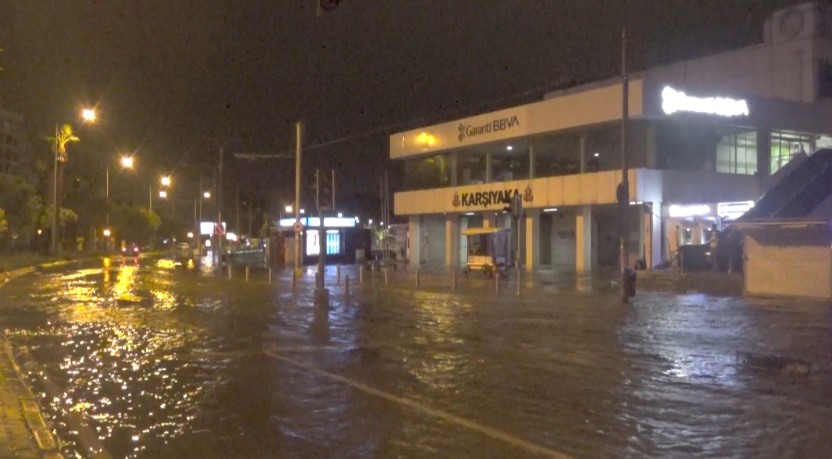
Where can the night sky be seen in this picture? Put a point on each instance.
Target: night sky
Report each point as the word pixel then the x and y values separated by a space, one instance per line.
pixel 173 79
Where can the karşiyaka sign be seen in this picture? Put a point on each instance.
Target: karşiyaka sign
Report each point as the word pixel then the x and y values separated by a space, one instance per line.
pixel 490 198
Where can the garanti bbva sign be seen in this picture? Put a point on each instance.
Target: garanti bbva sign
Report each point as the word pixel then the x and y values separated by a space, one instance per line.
pixel 496 125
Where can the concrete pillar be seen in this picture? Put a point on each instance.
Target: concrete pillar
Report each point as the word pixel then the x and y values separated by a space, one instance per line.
pixel 489 220
pixel 531 162
pixel 414 238
pixel 463 242
pixel 451 240
pixel 454 160
pixel 652 159
pixel 583 239
pixel 696 237
pixel 582 152
pixel 488 173
pixel 650 236
pixel 532 230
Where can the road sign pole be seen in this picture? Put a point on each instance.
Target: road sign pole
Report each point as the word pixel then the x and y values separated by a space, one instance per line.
pixel 298 150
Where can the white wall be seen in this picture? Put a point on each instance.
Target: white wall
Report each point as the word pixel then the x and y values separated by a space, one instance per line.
pixel 801 269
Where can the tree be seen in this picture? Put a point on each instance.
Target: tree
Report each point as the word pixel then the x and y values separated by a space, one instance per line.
pixel 65 136
pixel 4 225
pixel 18 197
pixel 134 224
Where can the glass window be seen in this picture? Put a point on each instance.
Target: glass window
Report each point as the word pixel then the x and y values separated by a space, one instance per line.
pixel 557 155
pixel 785 146
pixel 425 173
pixel 510 165
pixel 736 153
pixel 471 168
pixel 684 146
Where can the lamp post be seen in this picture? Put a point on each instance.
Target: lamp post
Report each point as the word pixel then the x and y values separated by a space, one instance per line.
pixel 63 136
pixel 126 162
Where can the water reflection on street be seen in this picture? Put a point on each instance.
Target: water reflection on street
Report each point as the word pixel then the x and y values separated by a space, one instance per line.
pixel 162 359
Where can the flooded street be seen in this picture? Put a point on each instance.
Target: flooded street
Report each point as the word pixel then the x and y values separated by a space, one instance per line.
pixel 150 359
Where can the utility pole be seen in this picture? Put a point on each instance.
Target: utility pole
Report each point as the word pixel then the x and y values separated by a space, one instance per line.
pixel 221 229
pixel 198 233
pixel 298 151
pixel 321 232
pixel 623 194
pixel 55 208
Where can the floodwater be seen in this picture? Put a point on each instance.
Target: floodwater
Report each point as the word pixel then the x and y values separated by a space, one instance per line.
pixel 152 359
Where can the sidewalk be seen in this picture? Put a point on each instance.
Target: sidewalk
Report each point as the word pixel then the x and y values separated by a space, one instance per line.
pixel 23 431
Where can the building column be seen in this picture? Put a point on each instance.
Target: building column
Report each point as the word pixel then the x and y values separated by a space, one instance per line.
pixel 651 146
pixel 532 230
pixel 696 236
pixel 489 220
pixel 763 153
pixel 650 237
pixel 582 152
pixel 414 241
pixel 451 240
pixel 454 160
pixel 531 162
pixel 583 239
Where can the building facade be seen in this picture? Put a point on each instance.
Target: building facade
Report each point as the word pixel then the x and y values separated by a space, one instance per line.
pixel 704 139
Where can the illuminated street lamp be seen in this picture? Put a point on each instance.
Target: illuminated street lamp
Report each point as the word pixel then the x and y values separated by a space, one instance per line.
pixel 206 195
pixel 288 209
pixel 88 115
pixel 127 162
pixel 163 194
pixel 190 234
pixel 63 136
pixel 107 232
pixel 165 180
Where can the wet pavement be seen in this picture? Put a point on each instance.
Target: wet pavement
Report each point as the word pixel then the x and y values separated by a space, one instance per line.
pixel 151 359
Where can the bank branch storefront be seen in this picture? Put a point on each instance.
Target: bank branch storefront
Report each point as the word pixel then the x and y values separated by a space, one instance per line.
pixel 696 158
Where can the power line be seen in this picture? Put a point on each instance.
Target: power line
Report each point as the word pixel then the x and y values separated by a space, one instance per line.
pixel 429 119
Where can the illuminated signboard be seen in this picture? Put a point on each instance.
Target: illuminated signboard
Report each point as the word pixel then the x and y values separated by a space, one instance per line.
pixel 207 228
pixel 677 101
pixel 314 222
pixel 733 210
pixel 678 210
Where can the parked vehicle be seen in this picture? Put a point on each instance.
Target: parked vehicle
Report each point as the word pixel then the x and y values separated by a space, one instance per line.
pixel 489 251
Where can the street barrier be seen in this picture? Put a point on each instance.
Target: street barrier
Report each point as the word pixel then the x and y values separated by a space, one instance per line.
pixel 453 280
pixel 497 283
pixel 347 286
pixel 418 279
pixel 246 273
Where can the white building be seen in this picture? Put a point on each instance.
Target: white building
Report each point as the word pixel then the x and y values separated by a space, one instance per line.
pixel 703 139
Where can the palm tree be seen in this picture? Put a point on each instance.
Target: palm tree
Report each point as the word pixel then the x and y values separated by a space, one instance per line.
pixel 65 136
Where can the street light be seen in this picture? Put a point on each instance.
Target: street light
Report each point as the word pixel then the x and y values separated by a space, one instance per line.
pixel 165 180
pixel 126 163
pixel 288 209
pixel 88 115
pixel 206 195
pixel 63 136
pixel 163 194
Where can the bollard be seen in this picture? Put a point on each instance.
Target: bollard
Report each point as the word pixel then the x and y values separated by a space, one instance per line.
pixel 418 279
pixel 246 273
pixel 338 274
pixel 270 275
pixel 361 274
pixel 385 276
pixel 229 271
pixel 519 283
pixel 497 283
pixel 453 280
pixel 294 279
pixel 347 286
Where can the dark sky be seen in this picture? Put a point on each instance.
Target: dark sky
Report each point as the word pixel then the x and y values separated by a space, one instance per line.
pixel 174 78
